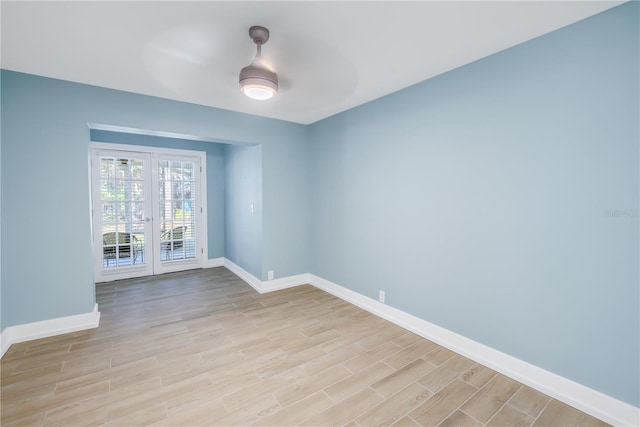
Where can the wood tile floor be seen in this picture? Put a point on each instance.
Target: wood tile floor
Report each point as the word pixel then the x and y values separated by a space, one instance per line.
pixel 203 348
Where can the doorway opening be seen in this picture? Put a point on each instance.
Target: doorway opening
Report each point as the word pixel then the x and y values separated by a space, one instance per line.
pixel 148 207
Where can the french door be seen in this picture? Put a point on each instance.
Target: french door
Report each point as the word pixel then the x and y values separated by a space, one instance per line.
pixel 147 212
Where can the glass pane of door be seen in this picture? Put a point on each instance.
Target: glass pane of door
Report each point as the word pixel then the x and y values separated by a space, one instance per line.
pixel 122 199
pixel 177 196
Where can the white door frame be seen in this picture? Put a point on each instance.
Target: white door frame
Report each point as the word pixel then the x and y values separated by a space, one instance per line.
pixel 153 253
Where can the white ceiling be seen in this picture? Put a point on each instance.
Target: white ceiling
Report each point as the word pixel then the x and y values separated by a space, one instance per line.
pixel 330 56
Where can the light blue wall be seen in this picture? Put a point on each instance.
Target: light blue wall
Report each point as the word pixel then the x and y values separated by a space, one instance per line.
pixel 215 176
pixel 243 189
pixel 482 200
pixel 45 211
pixel 48 272
pixel 289 231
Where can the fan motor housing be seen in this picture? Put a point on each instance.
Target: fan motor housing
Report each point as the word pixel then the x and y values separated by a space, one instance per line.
pixel 259 34
pixel 253 72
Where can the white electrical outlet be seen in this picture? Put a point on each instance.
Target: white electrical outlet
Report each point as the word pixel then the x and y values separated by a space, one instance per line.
pixel 381 296
pixel 270 275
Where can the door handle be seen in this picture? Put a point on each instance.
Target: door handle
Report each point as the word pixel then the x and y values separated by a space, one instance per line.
pixel 147 219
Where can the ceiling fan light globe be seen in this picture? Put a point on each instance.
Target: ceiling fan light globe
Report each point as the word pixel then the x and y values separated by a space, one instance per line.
pixel 258 83
pixel 257 91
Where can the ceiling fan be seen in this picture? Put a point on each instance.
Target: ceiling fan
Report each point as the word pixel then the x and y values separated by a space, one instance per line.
pixel 258 80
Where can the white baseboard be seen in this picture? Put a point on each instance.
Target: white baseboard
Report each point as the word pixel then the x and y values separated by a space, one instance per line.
pixel 592 402
pixel 214 262
pixel 268 285
pixel 252 280
pixel 286 282
pixel 48 328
